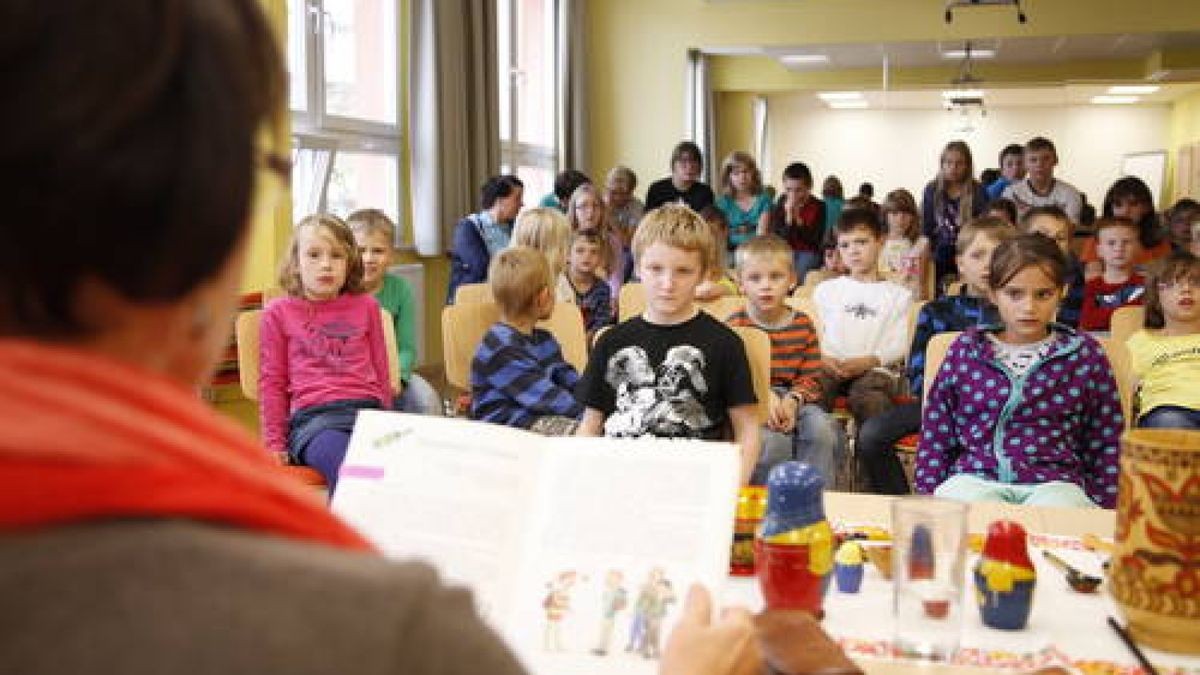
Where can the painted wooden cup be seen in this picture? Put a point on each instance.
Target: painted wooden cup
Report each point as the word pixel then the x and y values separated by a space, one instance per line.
pixel 1155 572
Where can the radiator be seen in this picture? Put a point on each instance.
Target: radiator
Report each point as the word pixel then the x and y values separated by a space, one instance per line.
pixel 414 274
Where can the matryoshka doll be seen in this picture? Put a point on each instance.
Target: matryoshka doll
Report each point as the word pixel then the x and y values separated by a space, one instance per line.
pixel 1004 577
pixel 794 551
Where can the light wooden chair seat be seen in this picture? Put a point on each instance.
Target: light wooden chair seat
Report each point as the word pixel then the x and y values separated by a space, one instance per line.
pixel 464 325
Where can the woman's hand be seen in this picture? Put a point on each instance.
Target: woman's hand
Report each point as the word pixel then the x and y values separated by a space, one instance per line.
pixel 793 643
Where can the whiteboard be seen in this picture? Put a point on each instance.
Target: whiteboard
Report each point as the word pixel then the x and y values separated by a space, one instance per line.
pixel 1151 167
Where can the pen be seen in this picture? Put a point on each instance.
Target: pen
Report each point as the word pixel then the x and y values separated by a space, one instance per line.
pixel 1137 653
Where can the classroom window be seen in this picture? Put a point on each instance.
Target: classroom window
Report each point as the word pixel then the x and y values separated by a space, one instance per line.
pixel 527 56
pixel 345 91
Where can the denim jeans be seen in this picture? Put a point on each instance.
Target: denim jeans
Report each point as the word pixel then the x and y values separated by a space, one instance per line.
pixel 1170 417
pixel 817 440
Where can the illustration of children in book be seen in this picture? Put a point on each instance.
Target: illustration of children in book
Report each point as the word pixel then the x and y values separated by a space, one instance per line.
pixel 656 611
pixel 650 608
pixel 557 604
pixel 612 602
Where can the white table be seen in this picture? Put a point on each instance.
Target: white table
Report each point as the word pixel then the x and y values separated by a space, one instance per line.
pixel 1062 622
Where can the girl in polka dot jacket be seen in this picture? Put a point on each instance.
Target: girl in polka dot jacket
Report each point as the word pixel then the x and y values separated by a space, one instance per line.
pixel 1025 412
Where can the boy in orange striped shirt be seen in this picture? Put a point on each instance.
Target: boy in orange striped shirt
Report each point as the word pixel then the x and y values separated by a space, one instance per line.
pixel 797 427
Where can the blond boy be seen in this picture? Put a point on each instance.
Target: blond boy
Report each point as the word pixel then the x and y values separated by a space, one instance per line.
pixel 518 376
pixel 864 319
pixel 673 371
pixel 1118 244
pixel 797 427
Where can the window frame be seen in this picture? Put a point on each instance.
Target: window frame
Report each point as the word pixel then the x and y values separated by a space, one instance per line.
pixel 314 129
pixel 513 152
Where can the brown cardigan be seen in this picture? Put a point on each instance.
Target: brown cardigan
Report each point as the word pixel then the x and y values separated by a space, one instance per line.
pixel 181 598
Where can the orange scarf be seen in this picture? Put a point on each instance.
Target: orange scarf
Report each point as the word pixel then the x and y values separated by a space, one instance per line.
pixel 87 438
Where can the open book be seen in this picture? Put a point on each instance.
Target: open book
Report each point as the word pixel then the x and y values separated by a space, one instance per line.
pixel 579 550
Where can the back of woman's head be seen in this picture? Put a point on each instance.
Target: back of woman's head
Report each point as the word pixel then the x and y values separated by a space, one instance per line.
pixel 128 148
pixel 547 230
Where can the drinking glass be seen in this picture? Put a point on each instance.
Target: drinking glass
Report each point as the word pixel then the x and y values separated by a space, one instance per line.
pixel 928 563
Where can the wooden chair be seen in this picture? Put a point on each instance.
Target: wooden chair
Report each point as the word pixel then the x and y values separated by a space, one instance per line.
pixel 722 307
pixel 473 294
pixel 464 325
pixel 1125 322
pixel 631 301
pixel 247 331
pixel 1122 368
pixel 758 354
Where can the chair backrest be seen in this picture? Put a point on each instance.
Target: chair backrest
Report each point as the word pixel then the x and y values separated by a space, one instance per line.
pixel 805 304
pixel 472 294
pixel 1125 322
pixel 914 312
pixel 722 307
pixel 935 353
pixel 631 301
pixel 758 354
pixel 246 330
pixel 464 325
pixel 1122 369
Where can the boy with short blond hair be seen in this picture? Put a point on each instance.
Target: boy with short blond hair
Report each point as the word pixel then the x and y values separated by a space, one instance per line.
pixel 672 371
pixel 876 441
pixel 1118 245
pixel 797 427
pixel 518 376
pixel 864 319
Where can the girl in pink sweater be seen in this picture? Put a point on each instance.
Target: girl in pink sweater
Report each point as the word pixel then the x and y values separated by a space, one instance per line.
pixel 323 355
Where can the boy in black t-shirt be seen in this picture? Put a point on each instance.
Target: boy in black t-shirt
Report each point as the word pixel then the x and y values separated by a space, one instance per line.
pixel 673 371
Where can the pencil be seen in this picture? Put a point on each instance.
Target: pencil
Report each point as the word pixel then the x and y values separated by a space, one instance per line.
pixel 1137 653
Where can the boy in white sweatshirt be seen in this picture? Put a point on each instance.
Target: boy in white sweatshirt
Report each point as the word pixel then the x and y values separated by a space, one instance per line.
pixel 863 320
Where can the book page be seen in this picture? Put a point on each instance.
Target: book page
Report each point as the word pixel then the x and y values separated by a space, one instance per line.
pixel 455 494
pixel 621 529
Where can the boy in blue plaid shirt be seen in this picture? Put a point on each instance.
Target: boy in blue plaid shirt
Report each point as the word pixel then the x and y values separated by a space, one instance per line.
pixel 592 292
pixel 875 445
pixel 518 376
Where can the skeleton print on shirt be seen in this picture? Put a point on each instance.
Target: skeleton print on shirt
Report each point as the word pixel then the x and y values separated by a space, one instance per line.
pixel 662 402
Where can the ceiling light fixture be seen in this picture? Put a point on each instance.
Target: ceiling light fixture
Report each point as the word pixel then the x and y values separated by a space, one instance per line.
pixel 803 59
pixel 829 96
pixel 848 105
pixel 962 53
pixel 962 93
pixel 1133 89
pixel 1108 99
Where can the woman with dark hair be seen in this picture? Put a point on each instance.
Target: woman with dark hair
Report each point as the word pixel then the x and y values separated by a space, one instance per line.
pixel 1129 198
pixel 140 531
pixel 482 235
